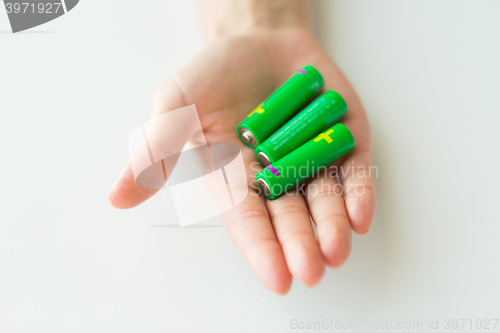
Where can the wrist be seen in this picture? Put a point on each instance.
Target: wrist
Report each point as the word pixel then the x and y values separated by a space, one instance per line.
pixel 229 17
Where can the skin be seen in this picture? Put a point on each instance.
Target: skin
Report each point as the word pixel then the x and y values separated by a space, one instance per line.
pixel 243 62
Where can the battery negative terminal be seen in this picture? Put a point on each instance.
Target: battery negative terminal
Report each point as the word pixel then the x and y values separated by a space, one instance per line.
pixel 247 136
pixel 264 186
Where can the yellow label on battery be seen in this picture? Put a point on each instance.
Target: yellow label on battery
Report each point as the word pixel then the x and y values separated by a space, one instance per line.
pixel 258 110
pixel 325 136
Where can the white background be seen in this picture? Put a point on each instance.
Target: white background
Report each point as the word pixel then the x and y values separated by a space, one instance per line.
pixel 429 75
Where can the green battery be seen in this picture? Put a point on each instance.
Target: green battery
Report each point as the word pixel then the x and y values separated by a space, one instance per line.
pixel 305 161
pixel 319 115
pixel 280 106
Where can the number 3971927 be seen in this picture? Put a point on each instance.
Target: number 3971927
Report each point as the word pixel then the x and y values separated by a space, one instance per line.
pixel 27 7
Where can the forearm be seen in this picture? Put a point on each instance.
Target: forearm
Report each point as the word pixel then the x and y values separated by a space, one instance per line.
pixel 227 17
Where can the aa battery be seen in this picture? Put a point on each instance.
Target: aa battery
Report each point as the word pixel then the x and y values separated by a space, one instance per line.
pixel 280 106
pixel 305 161
pixel 319 115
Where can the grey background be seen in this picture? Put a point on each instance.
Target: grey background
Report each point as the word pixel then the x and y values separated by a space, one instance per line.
pixel 70 4
pixel 429 76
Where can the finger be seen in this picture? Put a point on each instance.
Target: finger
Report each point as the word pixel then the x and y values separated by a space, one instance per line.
pixel 292 224
pixel 251 230
pixel 357 178
pixel 326 204
pixel 356 172
pixel 126 193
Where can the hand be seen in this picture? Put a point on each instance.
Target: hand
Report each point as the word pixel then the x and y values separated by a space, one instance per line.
pixel 227 80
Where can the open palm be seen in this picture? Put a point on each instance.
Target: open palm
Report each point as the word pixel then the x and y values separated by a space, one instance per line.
pixel 227 80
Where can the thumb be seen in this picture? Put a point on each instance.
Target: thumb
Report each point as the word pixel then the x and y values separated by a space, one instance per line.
pixel 155 147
